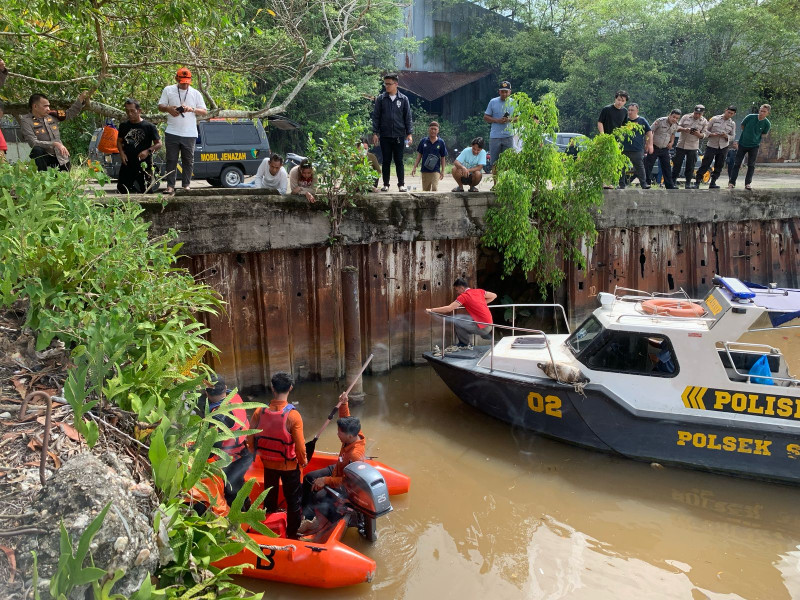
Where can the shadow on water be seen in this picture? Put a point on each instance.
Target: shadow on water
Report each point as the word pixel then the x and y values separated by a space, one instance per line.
pixel 495 509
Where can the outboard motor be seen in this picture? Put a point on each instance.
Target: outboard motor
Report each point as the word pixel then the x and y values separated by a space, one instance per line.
pixel 365 498
pixel 366 489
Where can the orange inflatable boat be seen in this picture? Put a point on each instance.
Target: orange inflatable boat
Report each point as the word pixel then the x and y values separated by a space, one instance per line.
pixel 322 561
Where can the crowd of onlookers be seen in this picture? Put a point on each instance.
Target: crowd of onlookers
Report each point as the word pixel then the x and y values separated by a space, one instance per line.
pixel 647 144
pixel 392 126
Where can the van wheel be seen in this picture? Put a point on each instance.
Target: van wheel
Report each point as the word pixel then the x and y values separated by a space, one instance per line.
pixel 231 177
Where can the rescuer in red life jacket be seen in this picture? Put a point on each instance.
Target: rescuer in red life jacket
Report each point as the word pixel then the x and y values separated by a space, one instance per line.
pixel 282 449
pixel 215 394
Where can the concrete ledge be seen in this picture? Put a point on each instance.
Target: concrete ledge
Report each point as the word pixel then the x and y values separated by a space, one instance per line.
pixel 214 221
pixel 220 221
pixel 636 207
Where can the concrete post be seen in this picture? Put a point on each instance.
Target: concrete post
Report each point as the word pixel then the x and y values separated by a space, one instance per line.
pixel 351 314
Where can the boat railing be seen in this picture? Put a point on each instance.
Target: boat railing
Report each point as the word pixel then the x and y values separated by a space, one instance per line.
pixel 514 307
pixel 642 294
pixel 760 348
pixel 655 317
pixel 513 328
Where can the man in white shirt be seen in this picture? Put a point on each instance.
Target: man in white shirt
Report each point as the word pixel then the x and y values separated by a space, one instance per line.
pixel 271 175
pixel 183 104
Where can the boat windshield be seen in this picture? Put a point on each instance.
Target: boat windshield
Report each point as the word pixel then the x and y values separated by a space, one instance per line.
pixel 584 335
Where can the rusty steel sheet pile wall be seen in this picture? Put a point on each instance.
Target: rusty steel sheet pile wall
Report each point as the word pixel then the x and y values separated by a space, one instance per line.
pixel 270 259
pixel 666 258
pixel 284 306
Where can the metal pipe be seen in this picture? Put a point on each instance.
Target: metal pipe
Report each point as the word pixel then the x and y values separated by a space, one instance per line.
pixel 513 318
pixel 351 317
pixel 47 421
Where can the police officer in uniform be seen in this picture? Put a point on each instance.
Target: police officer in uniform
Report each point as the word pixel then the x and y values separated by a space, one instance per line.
pixel 42 131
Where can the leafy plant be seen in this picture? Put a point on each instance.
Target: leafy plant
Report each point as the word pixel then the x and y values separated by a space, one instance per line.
pixel 343 169
pixel 93 279
pixel 70 572
pixel 545 198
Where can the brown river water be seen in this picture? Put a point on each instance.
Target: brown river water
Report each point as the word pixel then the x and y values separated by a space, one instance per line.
pixel 497 512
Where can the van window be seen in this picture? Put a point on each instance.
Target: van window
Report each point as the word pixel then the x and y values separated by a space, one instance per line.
pixel 220 133
pixel 245 133
pixel 635 353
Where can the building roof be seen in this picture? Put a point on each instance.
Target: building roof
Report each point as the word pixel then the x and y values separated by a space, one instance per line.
pixel 431 85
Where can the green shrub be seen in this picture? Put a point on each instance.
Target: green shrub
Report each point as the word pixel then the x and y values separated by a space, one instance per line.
pixel 93 279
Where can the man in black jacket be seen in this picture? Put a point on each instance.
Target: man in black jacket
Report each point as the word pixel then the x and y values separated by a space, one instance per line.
pixel 392 127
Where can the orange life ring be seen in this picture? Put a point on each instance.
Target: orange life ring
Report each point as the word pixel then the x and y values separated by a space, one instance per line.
pixel 672 307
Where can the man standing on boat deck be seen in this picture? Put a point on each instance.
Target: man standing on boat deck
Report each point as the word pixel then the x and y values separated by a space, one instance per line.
pixel 478 318
pixel 282 450
pixel 354 448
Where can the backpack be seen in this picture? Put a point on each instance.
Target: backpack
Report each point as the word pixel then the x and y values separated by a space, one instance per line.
pixel 108 140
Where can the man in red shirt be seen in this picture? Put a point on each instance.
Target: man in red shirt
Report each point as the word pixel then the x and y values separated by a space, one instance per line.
pixel 478 318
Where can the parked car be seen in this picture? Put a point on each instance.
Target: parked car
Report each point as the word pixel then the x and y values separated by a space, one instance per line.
pixel 562 140
pixel 225 152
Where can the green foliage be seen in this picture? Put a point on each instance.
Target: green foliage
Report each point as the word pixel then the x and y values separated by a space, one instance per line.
pixel 94 280
pixel 545 198
pixel 342 168
pixel 197 541
pixel 666 55
pixel 70 572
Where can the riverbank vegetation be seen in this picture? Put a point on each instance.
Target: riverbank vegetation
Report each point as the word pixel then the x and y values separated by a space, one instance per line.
pixel 79 268
pixel 543 213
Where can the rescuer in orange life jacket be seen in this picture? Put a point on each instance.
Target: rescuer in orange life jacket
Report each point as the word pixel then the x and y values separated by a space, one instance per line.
pixel 215 394
pixel 282 450
pixel 317 504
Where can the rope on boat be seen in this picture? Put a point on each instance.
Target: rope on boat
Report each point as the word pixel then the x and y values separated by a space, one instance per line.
pixel 578 386
pixel 287 547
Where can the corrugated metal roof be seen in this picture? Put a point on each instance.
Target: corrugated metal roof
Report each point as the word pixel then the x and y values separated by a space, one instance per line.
pixel 431 85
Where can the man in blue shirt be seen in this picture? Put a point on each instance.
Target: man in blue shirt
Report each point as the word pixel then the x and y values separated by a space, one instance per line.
pixel 635 147
pixel 499 115
pixel 468 167
pixel 432 151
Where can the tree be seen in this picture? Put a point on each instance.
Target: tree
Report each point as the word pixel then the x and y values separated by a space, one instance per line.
pixel 545 198
pixel 343 168
pixel 120 49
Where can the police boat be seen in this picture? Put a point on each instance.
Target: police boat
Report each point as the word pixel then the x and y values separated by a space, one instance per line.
pixel 652 377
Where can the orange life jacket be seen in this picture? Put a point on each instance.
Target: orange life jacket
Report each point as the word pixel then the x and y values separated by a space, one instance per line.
pixel 274 442
pixel 235 446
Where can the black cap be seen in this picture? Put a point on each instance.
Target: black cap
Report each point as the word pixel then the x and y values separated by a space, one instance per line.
pixel 217 386
pixel 505 85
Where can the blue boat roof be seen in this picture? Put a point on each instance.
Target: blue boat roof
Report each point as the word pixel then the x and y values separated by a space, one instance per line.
pixel 783 304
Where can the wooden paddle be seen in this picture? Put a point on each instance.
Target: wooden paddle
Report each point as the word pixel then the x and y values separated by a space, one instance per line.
pixel 311 444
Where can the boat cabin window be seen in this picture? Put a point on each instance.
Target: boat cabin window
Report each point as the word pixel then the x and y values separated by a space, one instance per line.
pixel 584 335
pixel 633 352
